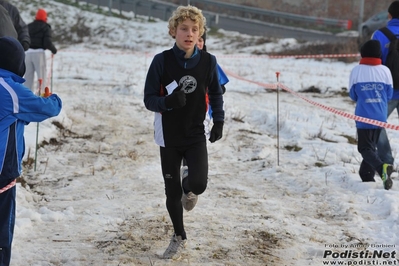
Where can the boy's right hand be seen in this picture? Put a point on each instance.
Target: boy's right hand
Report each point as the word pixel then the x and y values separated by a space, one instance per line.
pixel 176 100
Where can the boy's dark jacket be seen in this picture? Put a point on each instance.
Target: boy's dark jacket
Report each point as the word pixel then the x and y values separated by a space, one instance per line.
pixel 155 101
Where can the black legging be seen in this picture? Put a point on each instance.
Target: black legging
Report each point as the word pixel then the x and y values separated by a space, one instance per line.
pixel 196 156
pixel 366 145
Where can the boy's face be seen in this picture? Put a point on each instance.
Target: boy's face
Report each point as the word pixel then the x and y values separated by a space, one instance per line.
pixel 200 43
pixel 187 34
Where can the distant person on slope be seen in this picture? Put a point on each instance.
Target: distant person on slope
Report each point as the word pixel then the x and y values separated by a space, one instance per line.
pixel 19 24
pixel 41 39
pixel 371 87
pixel 383 146
pixel 18 107
pixel 175 90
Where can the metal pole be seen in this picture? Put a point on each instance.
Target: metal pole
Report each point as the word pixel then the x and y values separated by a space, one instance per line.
pixel 51 71
pixel 327 16
pixel 361 11
pixel 39 93
pixel 278 119
pixel 110 7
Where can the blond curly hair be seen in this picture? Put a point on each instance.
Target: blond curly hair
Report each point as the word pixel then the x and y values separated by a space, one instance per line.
pixel 186 12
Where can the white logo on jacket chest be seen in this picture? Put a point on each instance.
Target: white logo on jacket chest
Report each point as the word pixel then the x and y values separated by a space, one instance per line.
pixel 188 83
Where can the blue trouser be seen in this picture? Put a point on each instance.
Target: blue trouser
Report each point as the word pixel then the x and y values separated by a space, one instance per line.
pixel 383 146
pixel 196 156
pixel 7 222
pixel 366 145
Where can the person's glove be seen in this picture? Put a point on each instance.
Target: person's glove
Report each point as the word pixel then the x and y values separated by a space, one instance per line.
pixel 223 89
pixel 47 92
pixel 176 100
pixel 216 131
pixel 25 45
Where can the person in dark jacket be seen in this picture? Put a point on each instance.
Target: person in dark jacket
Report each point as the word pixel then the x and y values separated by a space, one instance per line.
pixel 371 87
pixel 176 86
pixel 19 24
pixel 383 146
pixel 41 40
pixel 6 25
pixel 18 107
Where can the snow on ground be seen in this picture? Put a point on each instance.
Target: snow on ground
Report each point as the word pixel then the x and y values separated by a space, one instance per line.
pixel 97 195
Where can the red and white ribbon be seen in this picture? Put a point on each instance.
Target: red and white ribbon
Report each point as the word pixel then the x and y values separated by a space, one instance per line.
pixel 8 186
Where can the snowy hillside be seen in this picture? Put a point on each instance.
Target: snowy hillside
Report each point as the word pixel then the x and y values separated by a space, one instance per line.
pixel 97 196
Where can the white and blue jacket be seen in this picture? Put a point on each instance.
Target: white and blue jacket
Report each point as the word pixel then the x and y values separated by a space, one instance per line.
pixel 371 87
pixel 18 107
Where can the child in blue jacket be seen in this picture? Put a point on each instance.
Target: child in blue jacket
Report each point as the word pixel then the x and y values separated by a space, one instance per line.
pixel 18 107
pixel 371 87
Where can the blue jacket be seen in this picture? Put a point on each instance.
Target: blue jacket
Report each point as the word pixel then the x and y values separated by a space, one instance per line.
pixel 370 86
pixel 18 107
pixel 223 79
pixel 393 26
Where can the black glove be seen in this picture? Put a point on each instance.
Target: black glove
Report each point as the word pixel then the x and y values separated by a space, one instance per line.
pixel 176 100
pixel 216 131
pixel 25 45
pixel 223 88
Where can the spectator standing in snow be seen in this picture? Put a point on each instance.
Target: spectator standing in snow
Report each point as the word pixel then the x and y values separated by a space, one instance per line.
pixel 41 39
pixel 383 146
pixel 371 87
pixel 175 90
pixel 19 24
pixel 18 107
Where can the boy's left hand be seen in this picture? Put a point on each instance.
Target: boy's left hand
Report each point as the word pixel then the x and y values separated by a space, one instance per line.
pixel 216 131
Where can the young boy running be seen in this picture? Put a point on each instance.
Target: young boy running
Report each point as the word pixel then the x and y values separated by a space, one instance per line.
pixel 370 85
pixel 175 89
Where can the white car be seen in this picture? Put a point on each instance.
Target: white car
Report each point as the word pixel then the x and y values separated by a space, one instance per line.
pixel 374 23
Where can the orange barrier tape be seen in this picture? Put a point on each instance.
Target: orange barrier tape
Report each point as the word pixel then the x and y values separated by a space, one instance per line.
pixel 291 56
pixel 229 56
pixel 315 56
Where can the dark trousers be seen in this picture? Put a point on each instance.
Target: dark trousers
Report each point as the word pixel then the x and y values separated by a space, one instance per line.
pixel 367 147
pixel 7 222
pixel 196 156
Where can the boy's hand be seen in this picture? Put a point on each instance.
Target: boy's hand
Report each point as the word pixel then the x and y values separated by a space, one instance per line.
pixel 216 131
pixel 223 88
pixel 176 100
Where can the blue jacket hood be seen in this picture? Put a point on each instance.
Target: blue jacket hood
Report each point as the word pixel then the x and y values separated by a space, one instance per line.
pixel 12 56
